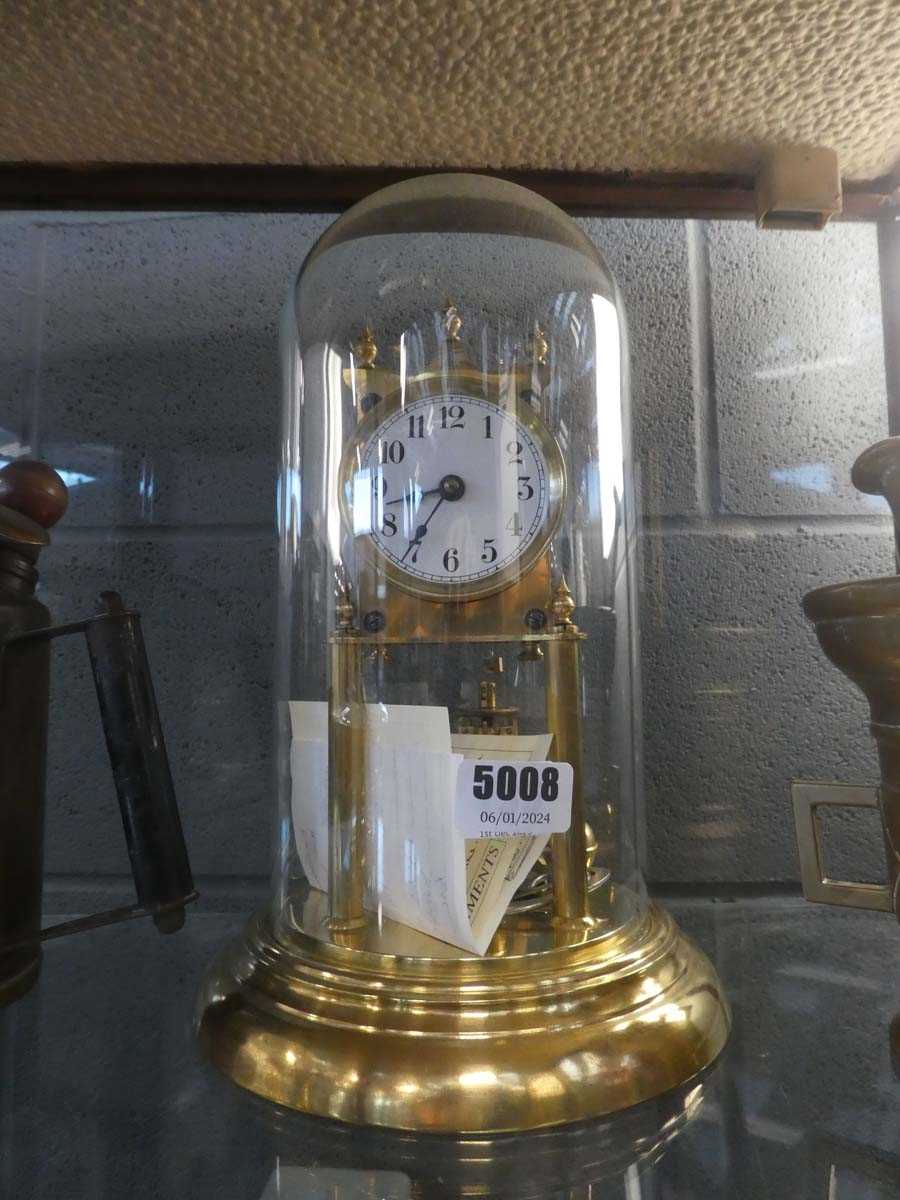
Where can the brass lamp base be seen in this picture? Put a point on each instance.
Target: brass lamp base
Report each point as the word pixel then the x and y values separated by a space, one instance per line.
pixel 516 1040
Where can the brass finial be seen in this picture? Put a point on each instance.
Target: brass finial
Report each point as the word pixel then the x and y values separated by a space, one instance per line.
pixel 540 346
pixel 343 609
pixel 366 350
pixel 452 323
pixel 562 605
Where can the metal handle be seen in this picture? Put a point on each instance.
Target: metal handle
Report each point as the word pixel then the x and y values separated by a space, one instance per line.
pixel 808 798
pixel 140 766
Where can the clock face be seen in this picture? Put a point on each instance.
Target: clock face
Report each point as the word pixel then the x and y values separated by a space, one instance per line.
pixel 457 495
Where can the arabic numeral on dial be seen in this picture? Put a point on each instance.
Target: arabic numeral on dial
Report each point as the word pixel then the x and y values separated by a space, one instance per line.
pixel 389 525
pixel 526 491
pixel 452 416
pixel 514 450
pixel 489 551
pixel 379 485
pixel 392 452
pixel 451 560
pixel 487 427
pixel 514 525
pixel 416 425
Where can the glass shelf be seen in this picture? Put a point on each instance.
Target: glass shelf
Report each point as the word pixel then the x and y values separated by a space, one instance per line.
pixel 104 1096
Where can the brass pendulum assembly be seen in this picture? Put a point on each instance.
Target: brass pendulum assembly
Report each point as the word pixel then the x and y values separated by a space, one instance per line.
pixel 489 717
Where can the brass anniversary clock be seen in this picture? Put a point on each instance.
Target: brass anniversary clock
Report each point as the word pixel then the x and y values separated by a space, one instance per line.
pixel 459 937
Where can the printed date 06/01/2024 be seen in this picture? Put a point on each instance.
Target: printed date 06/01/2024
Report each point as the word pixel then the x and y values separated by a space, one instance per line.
pixel 492 817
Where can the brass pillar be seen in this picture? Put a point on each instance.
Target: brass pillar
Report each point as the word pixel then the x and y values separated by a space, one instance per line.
pixel 563 676
pixel 346 783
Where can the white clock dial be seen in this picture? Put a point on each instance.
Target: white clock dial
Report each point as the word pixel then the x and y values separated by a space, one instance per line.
pixel 454 490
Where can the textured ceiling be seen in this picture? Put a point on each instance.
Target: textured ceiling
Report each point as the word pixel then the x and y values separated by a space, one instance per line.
pixel 594 85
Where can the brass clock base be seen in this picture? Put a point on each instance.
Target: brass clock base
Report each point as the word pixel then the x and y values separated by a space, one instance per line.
pixel 511 1041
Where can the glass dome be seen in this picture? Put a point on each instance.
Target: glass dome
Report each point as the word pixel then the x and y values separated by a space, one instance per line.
pixel 457 537
pixel 459 936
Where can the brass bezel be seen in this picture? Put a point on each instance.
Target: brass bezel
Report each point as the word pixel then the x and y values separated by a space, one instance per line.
pixel 433 387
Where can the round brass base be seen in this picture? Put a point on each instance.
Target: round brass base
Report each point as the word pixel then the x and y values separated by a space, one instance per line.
pixel 449 1045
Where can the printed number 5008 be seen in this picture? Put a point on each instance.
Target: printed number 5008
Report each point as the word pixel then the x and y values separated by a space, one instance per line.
pixel 525 782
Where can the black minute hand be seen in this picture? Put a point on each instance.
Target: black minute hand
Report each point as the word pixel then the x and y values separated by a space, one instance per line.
pixel 412 496
pixel 421 530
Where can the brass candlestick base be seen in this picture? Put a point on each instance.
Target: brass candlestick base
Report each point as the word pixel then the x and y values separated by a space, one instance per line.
pixel 555 1024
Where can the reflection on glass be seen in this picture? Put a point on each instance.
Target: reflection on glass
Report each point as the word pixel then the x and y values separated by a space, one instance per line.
pixel 621 1153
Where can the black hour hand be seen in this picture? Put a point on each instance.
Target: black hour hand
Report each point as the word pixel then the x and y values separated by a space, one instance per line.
pixel 451 487
pixel 421 530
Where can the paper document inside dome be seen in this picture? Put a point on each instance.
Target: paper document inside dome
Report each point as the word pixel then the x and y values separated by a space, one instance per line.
pixel 493 862
pixel 421 870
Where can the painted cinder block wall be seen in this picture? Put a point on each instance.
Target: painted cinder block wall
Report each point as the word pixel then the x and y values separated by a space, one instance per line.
pixel 139 355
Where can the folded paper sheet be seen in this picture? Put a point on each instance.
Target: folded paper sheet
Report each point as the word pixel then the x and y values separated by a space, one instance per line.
pixel 421 870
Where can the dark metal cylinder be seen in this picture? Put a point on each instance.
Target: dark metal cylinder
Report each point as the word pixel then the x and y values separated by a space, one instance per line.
pixel 140 765
pixel 24 695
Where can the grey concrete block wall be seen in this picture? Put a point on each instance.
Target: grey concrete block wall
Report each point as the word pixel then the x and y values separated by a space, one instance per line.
pixel 159 377
pixel 141 359
pixel 788 388
pixel 739 699
pixel 653 263
pixel 798 369
pixel 139 354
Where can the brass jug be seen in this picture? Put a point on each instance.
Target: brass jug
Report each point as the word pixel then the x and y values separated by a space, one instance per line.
pixel 33 498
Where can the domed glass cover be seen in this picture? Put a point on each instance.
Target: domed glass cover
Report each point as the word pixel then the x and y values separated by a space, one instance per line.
pixel 457 580
pixel 459 938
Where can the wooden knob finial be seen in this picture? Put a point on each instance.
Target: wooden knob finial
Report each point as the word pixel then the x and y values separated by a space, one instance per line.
pixel 877 473
pixel 33 489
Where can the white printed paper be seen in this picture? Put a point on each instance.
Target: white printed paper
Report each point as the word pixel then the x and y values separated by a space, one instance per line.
pixel 492 865
pixel 524 747
pixel 422 871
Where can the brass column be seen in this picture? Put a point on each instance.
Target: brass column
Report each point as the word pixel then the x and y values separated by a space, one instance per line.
pixel 563 675
pixel 346 779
